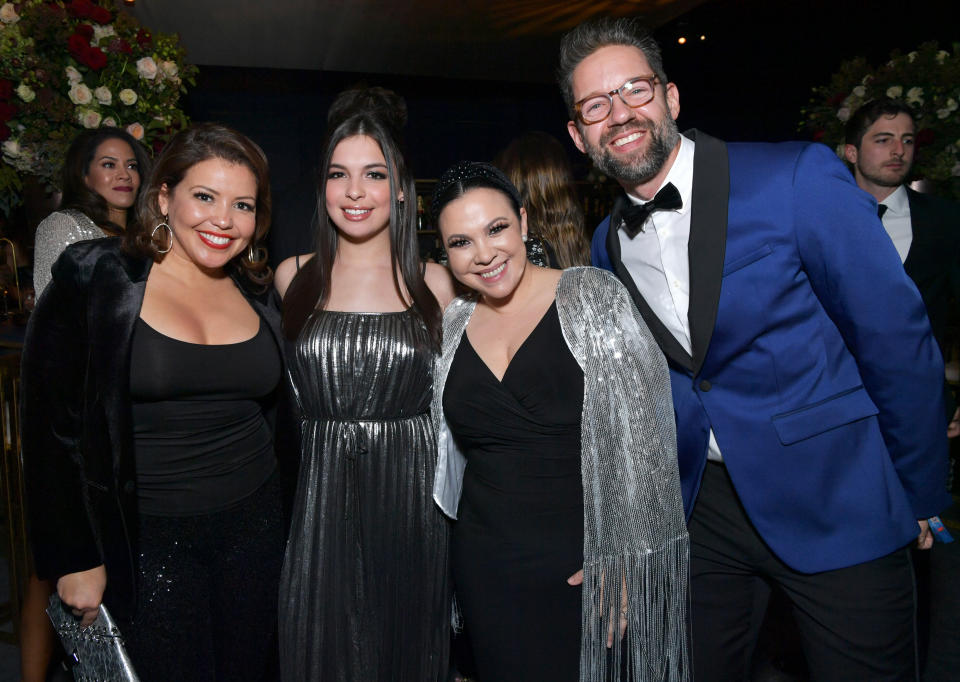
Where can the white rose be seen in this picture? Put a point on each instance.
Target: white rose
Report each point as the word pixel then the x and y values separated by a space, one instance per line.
pixel 80 94
pixel 103 95
pixel 135 130
pixel 844 114
pixel 73 75
pixel 955 171
pixel 26 93
pixel 911 56
pixel 894 91
pixel 914 96
pixel 101 32
pixel 943 113
pixel 8 13
pixel 11 149
pixel 951 104
pixel 866 79
pixel 169 68
pixel 109 122
pixel 128 97
pixel 147 68
pixel 942 56
pixel 859 91
pixel 89 118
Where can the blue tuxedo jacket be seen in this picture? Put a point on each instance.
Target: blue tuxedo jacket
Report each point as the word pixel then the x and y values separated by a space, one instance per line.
pixel 812 357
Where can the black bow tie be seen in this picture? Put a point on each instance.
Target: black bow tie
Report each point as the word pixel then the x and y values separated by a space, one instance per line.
pixel 634 216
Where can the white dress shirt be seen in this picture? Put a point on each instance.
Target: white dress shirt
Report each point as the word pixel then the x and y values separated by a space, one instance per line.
pixel 896 221
pixel 658 261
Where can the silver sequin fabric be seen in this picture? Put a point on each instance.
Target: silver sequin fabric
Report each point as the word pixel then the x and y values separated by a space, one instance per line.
pixel 365 587
pixel 56 232
pixel 636 545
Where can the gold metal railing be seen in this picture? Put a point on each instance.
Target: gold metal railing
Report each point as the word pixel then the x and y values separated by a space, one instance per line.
pixel 12 490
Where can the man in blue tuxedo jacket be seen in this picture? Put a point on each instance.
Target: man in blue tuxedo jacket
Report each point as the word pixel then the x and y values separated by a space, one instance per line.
pixel 806 383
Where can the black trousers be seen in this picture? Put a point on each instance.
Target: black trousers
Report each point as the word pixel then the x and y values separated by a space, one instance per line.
pixel 855 623
pixel 207 593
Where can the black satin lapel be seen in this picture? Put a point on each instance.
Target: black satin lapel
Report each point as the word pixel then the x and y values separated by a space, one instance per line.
pixel 708 238
pixel 667 341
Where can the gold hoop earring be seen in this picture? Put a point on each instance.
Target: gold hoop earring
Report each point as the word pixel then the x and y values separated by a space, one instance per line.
pixel 169 231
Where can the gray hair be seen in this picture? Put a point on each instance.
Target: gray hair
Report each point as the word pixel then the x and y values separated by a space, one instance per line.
pixel 591 35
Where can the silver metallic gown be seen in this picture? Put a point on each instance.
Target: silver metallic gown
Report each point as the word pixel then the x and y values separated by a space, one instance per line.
pixel 365 588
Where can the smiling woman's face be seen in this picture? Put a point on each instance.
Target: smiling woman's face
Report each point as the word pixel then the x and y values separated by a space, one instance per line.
pixel 212 212
pixel 114 174
pixel 357 190
pixel 483 237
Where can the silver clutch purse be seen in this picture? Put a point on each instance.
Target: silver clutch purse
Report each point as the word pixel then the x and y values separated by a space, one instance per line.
pixel 96 652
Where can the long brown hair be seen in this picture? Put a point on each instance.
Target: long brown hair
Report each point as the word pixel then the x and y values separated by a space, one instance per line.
pixel 201 142
pixel 76 167
pixel 537 165
pixel 310 288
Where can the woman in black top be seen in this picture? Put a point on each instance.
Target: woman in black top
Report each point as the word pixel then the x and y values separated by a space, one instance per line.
pixel 150 373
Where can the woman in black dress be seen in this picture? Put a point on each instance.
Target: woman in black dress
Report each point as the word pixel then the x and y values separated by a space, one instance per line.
pixel 554 417
pixel 151 370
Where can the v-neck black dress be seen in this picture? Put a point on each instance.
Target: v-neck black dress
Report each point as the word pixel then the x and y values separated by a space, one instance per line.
pixel 520 530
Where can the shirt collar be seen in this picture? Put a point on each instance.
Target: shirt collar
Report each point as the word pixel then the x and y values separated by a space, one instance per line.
pixel 680 174
pixel 897 202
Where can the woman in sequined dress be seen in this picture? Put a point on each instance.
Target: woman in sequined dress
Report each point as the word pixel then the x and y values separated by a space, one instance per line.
pixel 101 179
pixel 152 367
pixel 554 419
pixel 365 589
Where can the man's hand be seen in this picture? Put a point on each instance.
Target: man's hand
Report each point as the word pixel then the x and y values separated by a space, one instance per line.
pixel 925 538
pixel 953 428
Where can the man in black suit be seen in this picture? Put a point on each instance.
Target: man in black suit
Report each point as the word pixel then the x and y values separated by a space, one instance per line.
pixel 880 145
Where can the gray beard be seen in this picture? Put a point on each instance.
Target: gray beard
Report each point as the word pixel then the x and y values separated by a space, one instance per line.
pixel 663 138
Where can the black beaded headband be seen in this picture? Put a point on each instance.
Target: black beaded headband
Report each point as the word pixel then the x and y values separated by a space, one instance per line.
pixel 466 175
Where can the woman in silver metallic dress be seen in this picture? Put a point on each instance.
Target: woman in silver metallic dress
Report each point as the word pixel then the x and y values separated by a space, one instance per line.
pixel 556 455
pixel 365 590
pixel 100 178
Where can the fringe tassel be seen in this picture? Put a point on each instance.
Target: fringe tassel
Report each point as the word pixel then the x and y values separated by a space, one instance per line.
pixel 655 646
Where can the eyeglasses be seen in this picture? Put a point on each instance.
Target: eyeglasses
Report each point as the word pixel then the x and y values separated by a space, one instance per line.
pixel 634 93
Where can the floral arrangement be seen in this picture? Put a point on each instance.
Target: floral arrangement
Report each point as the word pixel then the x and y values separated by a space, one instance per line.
pixel 72 64
pixel 928 79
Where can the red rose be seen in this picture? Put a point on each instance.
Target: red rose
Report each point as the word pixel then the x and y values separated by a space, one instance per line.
pixel 836 99
pixel 119 45
pixel 85 30
pixel 7 111
pixel 101 15
pixel 93 57
pixel 80 8
pixel 144 38
pixel 818 135
pixel 77 45
pixel 6 88
pixel 925 137
pixel 4 132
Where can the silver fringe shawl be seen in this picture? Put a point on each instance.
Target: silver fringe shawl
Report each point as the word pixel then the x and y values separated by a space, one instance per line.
pixel 636 546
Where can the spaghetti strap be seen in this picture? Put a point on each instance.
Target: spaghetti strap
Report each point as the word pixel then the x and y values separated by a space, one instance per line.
pixel 297 261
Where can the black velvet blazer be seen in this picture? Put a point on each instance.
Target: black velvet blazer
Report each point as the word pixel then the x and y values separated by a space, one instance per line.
pixel 76 423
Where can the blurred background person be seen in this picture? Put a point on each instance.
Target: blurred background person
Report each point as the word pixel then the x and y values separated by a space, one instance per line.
pixel 537 165
pixel 101 180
